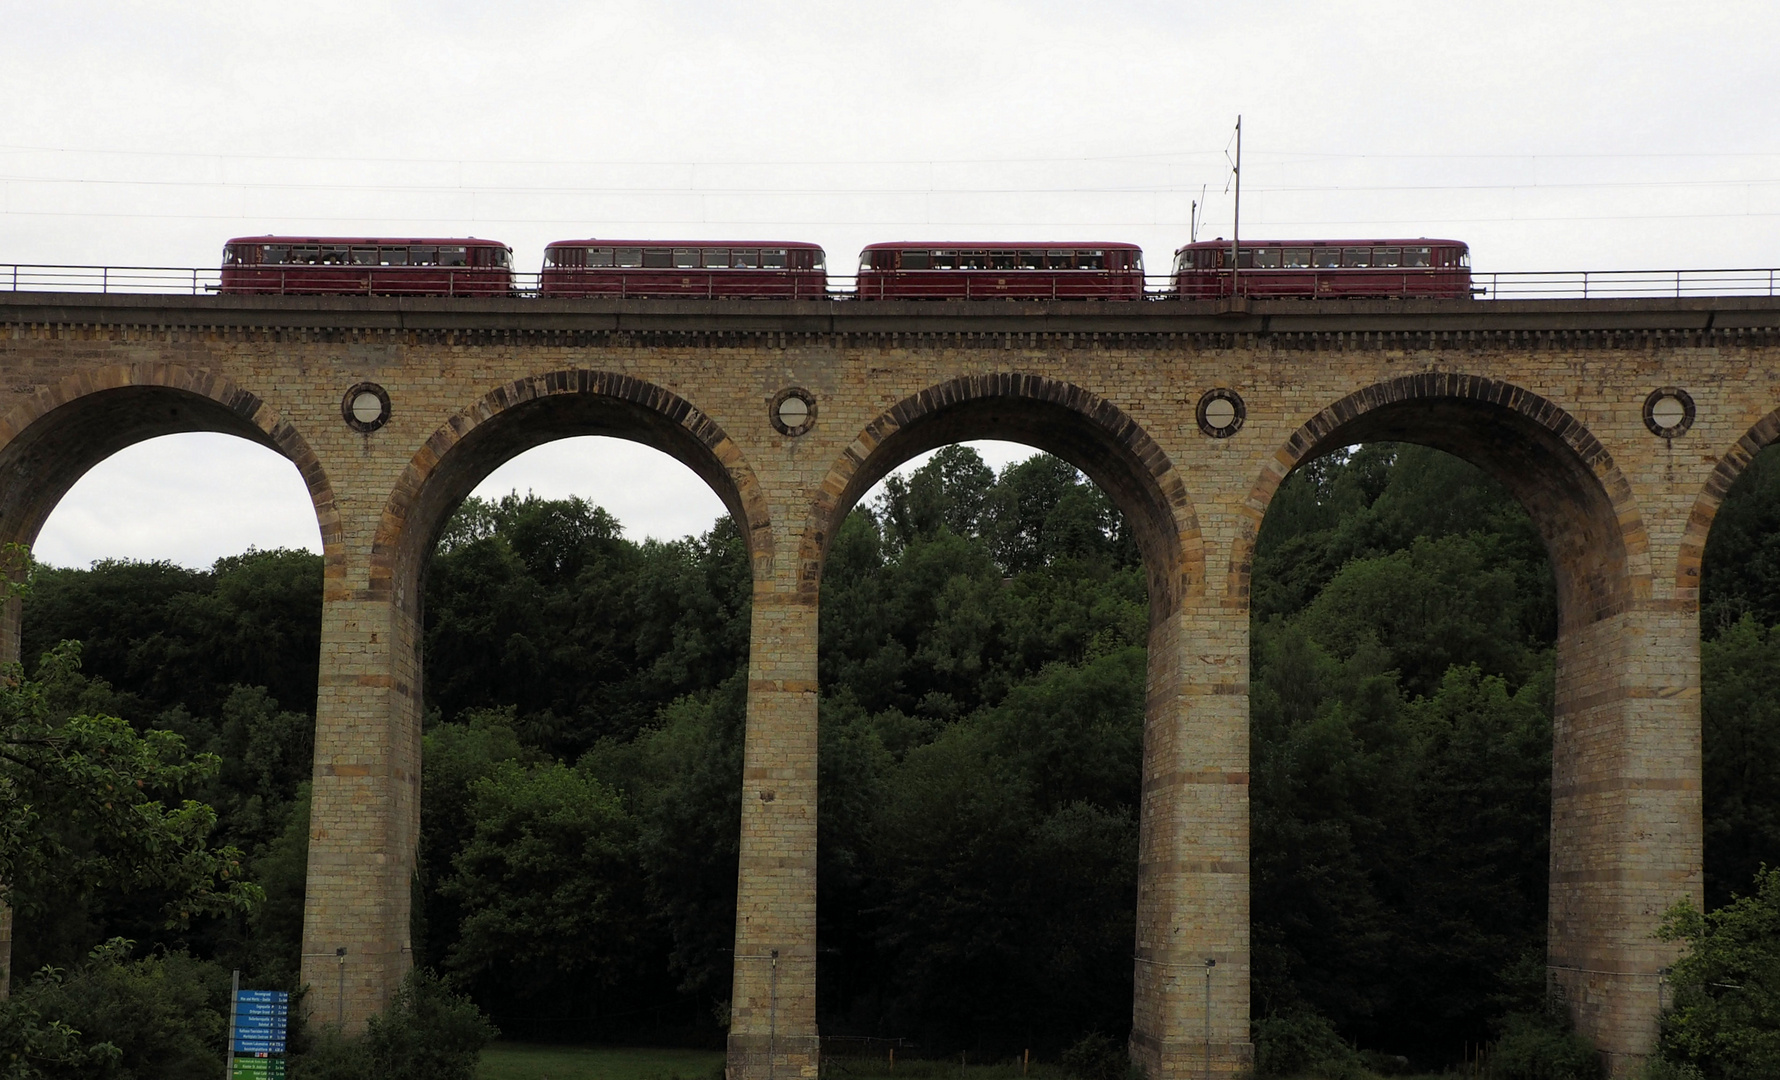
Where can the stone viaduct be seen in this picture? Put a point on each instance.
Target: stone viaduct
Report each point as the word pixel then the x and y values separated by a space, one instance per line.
pixel 1619 424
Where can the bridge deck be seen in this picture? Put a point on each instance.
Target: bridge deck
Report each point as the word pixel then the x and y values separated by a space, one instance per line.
pixel 893 316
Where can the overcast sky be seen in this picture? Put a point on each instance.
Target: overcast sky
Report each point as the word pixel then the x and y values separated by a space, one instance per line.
pixel 1550 137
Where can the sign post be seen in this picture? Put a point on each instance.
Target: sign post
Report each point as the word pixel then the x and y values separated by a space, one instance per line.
pixel 257 1024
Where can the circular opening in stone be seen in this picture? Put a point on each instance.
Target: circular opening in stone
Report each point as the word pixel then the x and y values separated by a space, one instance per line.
pixel 1668 411
pixel 367 408
pixel 1220 412
pixel 794 412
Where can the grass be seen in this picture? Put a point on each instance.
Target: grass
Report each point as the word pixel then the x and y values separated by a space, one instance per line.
pixel 878 1068
pixel 527 1061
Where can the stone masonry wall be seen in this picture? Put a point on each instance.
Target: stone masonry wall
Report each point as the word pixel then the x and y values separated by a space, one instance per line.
pixel 1118 396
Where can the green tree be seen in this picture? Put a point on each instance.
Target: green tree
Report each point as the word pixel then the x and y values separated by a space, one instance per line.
pixel 1725 1013
pixel 547 882
pixel 1740 738
pixel 88 803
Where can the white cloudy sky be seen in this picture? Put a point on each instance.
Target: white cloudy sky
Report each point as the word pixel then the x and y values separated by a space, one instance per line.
pixel 1609 135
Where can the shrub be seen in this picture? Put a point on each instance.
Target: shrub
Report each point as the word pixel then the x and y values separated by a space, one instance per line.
pixel 428 1033
pixel 1726 1015
pixel 1656 1068
pixel 1303 1043
pixel 1538 1046
pixel 332 1056
pixel 157 1018
pixel 1097 1057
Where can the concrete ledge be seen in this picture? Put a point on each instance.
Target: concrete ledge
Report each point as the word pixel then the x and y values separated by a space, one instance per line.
pixel 751 317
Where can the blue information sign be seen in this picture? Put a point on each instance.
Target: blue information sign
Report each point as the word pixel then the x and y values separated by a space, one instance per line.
pixel 260 1020
pixel 250 1045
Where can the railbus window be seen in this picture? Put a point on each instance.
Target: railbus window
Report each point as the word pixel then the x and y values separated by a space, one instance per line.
pixel 685 258
pixel 453 256
pixel 335 255
pixel 917 260
pixel 1295 258
pixel 772 258
pixel 1090 260
pixel 1058 259
pixel 1326 258
pixel 423 255
pixel 716 258
pixel 393 256
pixel 1266 258
pixel 598 256
pixel 657 258
pixel 744 259
pixel 973 260
pixel 1356 257
pixel 627 256
pixel 1416 256
pixel 1387 256
pixel 276 253
pixel 1004 260
pixel 364 256
pixel 1245 258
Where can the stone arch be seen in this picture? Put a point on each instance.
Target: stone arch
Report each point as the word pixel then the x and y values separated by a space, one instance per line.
pixel 1547 459
pixel 48 442
pixel 1192 845
pixel 1625 816
pixel 530 412
pixel 1761 435
pixel 1077 425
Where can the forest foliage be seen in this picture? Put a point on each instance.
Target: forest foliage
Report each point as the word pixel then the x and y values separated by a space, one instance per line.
pixel 982 667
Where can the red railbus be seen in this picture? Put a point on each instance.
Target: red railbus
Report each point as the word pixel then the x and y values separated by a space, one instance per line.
pixel 976 271
pixel 753 269
pixel 1324 269
pixel 386 266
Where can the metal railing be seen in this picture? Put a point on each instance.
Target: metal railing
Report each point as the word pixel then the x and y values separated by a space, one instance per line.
pixel 29 277
pixel 1631 284
pixel 1504 285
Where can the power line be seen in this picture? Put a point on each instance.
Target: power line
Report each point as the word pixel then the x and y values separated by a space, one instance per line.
pixel 1164 155
pixel 975 223
pixel 805 192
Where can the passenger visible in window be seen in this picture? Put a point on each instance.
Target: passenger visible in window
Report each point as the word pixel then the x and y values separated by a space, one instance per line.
pixel 1326 258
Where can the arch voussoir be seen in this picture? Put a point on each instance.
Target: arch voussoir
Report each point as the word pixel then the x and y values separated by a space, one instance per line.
pixel 1731 465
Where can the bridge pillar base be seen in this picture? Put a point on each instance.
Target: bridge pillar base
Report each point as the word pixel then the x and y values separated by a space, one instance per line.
pixel 766 1057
